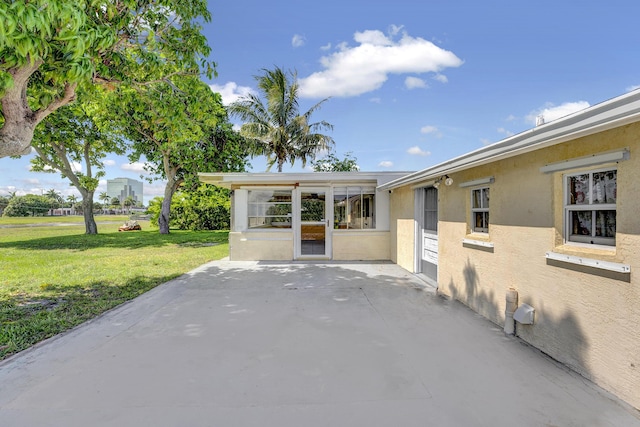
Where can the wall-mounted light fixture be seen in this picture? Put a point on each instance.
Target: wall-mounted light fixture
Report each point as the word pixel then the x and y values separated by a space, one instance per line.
pixel 447 181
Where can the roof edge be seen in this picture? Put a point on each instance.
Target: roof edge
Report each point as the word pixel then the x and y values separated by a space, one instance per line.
pixel 616 112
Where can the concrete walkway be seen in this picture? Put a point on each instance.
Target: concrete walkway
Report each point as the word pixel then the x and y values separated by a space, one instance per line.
pixel 259 344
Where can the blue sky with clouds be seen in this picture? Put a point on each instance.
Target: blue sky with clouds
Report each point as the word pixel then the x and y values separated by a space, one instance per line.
pixel 413 83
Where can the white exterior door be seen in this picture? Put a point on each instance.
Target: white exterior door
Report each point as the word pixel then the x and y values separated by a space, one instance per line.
pixel 427 233
pixel 313 231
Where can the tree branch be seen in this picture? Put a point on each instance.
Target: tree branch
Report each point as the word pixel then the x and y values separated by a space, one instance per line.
pixel 68 96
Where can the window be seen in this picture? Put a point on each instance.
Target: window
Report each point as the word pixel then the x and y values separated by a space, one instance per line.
pixel 480 210
pixel 269 208
pixel 590 207
pixel 354 208
pixel 430 211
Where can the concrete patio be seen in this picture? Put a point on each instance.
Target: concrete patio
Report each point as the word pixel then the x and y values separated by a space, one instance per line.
pixel 317 344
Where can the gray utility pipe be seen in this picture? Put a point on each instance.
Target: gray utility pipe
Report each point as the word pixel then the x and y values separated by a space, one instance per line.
pixel 511 306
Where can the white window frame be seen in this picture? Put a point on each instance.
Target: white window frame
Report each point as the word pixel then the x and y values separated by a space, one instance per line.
pixel 481 209
pixel 367 222
pixel 569 208
pixel 262 210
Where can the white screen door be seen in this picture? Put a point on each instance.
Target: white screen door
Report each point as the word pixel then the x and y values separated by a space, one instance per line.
pixel 314 234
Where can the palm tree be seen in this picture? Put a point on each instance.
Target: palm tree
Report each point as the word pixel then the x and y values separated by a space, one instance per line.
pixel 56 199
pixel 72 199
pixel 54 196
pixel 115 202
pixel 128 202
pixel 104 198
pixel 277 129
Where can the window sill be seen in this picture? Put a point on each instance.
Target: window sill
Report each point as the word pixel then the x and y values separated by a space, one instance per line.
pixel 478 244
pixel 590 262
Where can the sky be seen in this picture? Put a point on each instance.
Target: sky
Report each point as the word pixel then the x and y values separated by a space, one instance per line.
pixel 410 84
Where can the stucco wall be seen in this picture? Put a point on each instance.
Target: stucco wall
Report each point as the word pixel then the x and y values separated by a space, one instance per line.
pixel 586 318
pixel 270 245
pixel 402 226
pixel 360 245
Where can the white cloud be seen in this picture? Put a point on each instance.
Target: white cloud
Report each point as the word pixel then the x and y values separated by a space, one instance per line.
pixel 352 71
pixel 326 47
pixel 414 83
pixel 552 112
pixel 75 167
pixel 134 167
pixel 298 40
pixel 109 162
pixel 231 92
pixel 395 29
pixel 441 78
pixel 375 100
pixel 485 141
pixel 154 190
pixel 428 129
pixel 510 118
pixel 385 164
pixel 417 151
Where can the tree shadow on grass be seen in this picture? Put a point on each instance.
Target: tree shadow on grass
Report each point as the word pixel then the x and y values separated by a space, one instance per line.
pixel 129 240
pixel 26 319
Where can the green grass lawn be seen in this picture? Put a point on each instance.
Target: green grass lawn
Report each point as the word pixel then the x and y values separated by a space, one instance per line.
pixel 53 278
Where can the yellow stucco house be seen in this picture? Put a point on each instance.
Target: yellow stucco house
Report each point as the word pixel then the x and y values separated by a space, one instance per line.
pixel 546 221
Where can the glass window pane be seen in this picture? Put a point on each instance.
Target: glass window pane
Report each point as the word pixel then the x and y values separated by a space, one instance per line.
pixel 605 223
pixel 355 210
pixel 269 209
pixel 368 211
pixel 340 208
pixel 312 206
pixel 475 197
pixel 581 223
pixel 578 189
pixel 605 187
pixel 485 198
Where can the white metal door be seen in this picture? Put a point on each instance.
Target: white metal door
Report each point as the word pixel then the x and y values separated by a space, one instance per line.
pixel 429 234
pixel 313 232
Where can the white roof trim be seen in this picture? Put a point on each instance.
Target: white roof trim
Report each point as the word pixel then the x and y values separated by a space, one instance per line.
pixel 263 179
pixel 616 112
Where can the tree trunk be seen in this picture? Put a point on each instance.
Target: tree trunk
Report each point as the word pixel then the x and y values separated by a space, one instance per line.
pixel 87 211
pixel 165 211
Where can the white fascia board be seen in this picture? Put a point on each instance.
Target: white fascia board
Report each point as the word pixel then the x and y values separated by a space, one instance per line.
pixel 307 178
pixel 607 115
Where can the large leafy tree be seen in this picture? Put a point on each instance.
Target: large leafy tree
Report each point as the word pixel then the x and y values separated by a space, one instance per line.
pixel 28 205
pixel 50 47
pixel 179 130
pixel 331 163
pixel 274 123
pixel 70 137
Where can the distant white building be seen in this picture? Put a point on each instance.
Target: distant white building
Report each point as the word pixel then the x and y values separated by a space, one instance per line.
pixel 125 187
